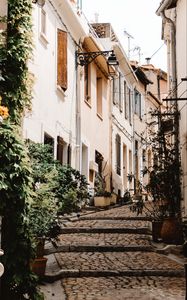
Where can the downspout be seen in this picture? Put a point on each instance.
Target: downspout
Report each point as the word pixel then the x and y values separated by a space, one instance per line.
pixel 78 118
pixel 161 12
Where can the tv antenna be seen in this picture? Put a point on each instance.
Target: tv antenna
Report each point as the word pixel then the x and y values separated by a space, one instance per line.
pixel 129 41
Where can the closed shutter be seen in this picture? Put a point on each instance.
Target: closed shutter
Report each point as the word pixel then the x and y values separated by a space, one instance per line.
pixel 121 92
pixel 142 107
pixel 118 154
pixel 115 91
pixel 62 59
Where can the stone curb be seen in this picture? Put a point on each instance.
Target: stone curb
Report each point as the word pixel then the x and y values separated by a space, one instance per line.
pixel 87 218
pixel 68 230
pixel 111 273
pixel 95 248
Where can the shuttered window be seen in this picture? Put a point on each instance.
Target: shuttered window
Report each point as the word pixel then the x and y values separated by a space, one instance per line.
pixel 118 154
pixel 120 92
pixel 62 59
pixel 116 91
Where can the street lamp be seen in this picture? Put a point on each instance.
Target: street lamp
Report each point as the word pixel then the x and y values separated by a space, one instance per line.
pixel 85 58
pixel 40 3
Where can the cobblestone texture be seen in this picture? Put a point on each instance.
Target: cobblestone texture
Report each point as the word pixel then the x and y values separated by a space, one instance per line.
pixel 123 287
pixel 105 239
pixel 117 261
pixel 109 223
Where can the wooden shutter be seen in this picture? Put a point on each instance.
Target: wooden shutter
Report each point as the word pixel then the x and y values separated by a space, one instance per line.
pixel 118 154
pixel 62 59
pixel 115 90
pixel 121 92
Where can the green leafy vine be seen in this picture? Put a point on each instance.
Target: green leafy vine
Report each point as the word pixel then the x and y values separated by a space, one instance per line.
pixel 18 282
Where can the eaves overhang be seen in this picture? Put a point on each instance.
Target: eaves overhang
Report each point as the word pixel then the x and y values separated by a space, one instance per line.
pixel 141 75
pixel 124 62
pixel 90 44
pixel 69 17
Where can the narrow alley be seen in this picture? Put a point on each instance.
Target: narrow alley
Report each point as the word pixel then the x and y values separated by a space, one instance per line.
pixel 108 255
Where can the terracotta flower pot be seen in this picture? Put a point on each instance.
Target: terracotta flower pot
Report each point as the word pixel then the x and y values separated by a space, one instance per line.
pixel 38 266
pixel 171 231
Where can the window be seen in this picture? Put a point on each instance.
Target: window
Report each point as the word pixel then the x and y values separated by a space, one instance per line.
pixel 60 149
pixel 125 99
pixel 116 90
pixel 87 83
pixel 118 154
pixel 69 155
pixel 99 97
pixel 129 105
pixel 99 161
pixel 63 151
pixel 121 92
pixel 62 59
pixel 137 103
pixel 48 140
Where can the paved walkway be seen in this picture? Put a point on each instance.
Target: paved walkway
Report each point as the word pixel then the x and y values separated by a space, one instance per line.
pixel 114 265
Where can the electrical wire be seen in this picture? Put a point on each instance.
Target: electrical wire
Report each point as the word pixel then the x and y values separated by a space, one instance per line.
pixel 157 50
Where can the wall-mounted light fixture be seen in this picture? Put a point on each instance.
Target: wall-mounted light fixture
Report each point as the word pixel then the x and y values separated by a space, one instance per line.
pixel 40 3
pixel 85 58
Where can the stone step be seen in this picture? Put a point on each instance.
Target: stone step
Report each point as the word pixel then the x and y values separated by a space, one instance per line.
pixel 75 273
pixel 68 230
pixel 97 248
pixel 135 218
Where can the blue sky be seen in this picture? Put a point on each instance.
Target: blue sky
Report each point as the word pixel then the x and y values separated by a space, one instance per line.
pixel 137 18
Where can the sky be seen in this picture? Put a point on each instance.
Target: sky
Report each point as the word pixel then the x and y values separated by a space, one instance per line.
pixel 139 20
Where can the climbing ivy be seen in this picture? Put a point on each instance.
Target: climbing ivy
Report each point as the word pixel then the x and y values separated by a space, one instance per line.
pixel 15 189
pixel 14 54
pixel 18 282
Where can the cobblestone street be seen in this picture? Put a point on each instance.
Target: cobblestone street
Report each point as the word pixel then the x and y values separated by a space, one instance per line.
pixel 101 263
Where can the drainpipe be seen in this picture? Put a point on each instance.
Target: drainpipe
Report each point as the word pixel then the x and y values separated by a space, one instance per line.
pixel 78 119
pixel 161 12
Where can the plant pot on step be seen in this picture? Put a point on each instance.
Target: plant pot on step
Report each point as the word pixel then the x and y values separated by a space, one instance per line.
pixel 171 232
pixel 38 266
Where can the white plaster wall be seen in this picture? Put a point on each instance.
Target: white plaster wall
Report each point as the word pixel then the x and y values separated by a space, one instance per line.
pixel 95 130
pixel 53 111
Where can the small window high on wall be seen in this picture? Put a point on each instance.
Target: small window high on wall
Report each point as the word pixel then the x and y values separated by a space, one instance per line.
pixel 62 59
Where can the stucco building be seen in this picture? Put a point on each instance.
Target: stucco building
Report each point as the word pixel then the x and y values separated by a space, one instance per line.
pixel 174 33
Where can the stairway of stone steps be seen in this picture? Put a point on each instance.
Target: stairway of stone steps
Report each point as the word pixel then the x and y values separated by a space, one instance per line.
pixel 110 254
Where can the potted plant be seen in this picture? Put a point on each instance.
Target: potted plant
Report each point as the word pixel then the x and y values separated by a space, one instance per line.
pixel 102 197
pixel 42 221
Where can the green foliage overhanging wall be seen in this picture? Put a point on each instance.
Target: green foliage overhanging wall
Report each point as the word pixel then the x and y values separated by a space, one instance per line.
pixel 17 282
pixel 14 55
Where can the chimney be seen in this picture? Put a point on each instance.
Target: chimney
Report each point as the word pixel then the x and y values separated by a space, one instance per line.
pixel 148 60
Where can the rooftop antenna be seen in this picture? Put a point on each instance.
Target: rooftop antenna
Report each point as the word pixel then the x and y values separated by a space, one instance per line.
pixel 129 37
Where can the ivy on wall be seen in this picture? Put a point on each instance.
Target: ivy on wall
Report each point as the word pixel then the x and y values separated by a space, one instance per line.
pixel 14 54
pixel 18 282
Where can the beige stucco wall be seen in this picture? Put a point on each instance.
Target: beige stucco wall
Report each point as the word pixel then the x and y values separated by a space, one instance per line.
pixel 181 52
